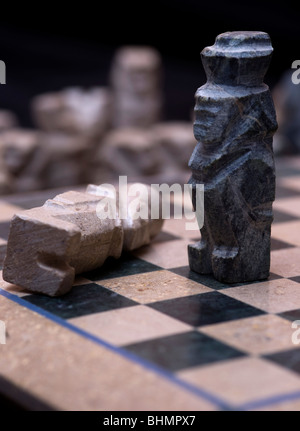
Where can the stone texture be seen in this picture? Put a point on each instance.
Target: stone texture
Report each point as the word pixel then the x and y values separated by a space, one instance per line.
pixel 136 85
pixel 234 124
pixel 48 245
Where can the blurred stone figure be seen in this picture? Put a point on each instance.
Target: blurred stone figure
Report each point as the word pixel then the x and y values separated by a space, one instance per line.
pixel 174 141
pixel 5 179
pixel 60 160
pixel 74 122
pixel 97 134
pixel 162 149
pixel 74 111
pixel 287 103
pixel 35 160
pixel 127 151
pixel 8 120
pixel 136 84
pixel 19 148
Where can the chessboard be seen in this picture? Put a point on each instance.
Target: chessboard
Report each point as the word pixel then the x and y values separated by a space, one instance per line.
pixel 145 333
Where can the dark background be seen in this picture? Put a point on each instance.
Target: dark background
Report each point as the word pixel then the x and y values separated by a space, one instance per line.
pixel 53 45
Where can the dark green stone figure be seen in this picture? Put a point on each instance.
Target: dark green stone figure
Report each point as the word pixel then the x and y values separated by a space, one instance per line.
pixel 234 125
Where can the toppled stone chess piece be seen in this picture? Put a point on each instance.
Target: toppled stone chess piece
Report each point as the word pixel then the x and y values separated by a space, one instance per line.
pixel 74 111
pixel 286 97
pixel 136 85
pixel 70 234
pixel 234 123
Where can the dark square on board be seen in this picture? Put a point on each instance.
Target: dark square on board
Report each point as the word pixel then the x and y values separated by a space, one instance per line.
pixel 180 351
pixel 126 265
pixel 206 308
pixel 81 300
pixel 289 358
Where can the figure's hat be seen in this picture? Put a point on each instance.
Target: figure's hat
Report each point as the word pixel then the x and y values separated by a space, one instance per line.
pixel 238 58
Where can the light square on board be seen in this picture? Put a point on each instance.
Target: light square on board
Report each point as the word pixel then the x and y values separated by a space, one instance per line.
pixel 292 182
pixel 155 286
pixel 286 262
pixel 179 227
pixel 130 325
pixel 275 296
pixel 290 205
pixel 7 211
pixel 167 255
pixel 243 380
pixel 288 232
pixel 255 335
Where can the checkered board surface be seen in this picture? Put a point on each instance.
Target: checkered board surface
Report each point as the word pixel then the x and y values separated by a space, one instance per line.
pixel 146 333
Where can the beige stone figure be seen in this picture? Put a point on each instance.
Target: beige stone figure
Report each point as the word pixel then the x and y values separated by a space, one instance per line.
pixel 76 232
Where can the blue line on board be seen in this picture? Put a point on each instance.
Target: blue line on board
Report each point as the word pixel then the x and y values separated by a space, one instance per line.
pixel 217 401
pixel 264 402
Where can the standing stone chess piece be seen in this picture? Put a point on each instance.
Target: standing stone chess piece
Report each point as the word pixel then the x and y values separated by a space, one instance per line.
pixel 234 124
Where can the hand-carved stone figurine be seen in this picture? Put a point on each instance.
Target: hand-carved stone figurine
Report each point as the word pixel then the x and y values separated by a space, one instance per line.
pixel 234 123
pixel 70 234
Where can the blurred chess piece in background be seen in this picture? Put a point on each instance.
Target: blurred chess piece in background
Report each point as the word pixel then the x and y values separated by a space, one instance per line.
pixel 136 80
pixel 7 121
pixel 286 96
pixel 162 150
pixel 18 148
pixel 95 135
pixel 74 111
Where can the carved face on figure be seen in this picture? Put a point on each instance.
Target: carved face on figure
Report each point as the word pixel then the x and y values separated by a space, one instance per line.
pixel 212 118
